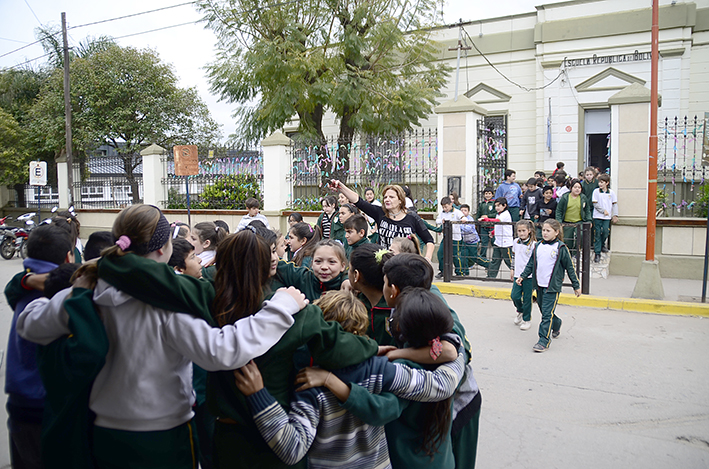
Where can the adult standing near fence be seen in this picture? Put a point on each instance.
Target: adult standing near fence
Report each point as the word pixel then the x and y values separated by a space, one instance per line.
pixel 393 220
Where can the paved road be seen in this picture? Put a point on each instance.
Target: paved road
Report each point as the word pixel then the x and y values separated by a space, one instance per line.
pixel 617 389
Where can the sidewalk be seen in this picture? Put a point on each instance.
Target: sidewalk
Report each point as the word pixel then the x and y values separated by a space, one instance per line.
pixel 682 297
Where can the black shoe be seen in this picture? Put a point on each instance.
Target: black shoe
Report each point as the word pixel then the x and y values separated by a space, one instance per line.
pixel 604 249
pixel 555 334
pixel 597 257
pixel 439 275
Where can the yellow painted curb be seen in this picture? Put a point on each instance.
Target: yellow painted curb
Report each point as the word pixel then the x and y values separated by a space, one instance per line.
pixel 624 304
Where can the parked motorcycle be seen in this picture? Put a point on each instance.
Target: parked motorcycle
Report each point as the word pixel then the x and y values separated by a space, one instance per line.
pixel 7 239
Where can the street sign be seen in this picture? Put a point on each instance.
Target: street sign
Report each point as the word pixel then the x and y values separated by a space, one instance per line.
pixel 186 160
pixel 38 173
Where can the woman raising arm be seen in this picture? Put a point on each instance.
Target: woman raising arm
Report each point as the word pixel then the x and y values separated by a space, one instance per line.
pixel 392 218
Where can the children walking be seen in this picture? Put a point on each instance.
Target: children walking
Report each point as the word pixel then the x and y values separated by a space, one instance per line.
pixel 522 294
pixel 469 247
pixel 448 213
pixel 486 209
pixel 511 191
pixel 503 238
pixel 531 199
pixel 573 207
pixel 550 259
pixel 605 211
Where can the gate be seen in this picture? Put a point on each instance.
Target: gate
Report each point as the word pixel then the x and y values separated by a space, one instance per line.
pixel 492 153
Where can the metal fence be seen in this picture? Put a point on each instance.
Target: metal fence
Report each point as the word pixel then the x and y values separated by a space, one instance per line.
pixel 48 197
pixel 227 177
pixel 409 158
pixel 681 187
pixel 108 181
pixel 492 154
pixel 577 237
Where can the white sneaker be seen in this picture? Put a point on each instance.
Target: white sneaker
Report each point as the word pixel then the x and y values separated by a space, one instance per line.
pixel 525 325
pixel 518 319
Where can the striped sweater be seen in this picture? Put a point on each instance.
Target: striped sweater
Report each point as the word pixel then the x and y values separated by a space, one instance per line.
pixel 336 438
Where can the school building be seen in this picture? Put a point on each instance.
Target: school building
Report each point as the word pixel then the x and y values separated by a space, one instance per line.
pixel 571 82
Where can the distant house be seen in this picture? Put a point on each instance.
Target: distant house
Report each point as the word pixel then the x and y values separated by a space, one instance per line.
pixel 103 180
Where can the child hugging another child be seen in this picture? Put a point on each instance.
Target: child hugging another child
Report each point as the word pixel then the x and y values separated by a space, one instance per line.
pixel 550 259
pixel 302 239
pixel 184 260
pixel 205 236
pixel 149 424
pixel 316 424
pixel 325 273
pixel 522 294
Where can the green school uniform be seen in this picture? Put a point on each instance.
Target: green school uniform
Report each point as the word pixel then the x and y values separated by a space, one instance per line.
pixel 304 279
pixel 337 231
pixel 378 318
pixel 240 445
pixel 588 188
pixel 68 367
pixel 350 248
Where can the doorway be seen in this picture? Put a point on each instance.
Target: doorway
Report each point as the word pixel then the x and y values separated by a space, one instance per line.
pixel 597 132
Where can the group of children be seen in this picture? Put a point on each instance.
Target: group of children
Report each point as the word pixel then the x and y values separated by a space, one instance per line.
pixel 184 345
pixel 569 201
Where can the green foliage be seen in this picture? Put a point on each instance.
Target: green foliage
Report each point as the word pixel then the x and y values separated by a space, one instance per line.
pixel 229 193
pixel 175 200
pixel 661 201
pixel 370 63
pixel 14 158
pixel 312 203
pixel 125 98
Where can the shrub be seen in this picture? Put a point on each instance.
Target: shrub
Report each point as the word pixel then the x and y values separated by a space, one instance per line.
pixel 230 193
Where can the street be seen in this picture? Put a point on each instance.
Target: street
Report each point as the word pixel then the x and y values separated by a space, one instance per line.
pixel 616 389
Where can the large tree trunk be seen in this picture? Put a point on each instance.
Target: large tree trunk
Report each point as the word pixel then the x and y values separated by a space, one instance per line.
pixel 20 197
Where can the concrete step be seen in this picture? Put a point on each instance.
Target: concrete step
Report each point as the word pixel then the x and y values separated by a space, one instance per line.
pixel 600 269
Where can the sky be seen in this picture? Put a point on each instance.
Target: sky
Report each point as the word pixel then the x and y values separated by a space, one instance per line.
pixel 188 48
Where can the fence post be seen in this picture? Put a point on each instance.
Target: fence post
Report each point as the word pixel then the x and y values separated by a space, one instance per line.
pixel 63 181
pixel 153 192
pixel 586 260
pixel 276 168
pixel 447 251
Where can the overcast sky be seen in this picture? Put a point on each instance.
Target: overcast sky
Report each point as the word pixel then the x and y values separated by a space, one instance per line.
pixel 188 48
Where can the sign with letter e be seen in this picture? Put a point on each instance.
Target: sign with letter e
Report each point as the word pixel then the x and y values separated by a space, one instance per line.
pixel 38 173
pixel 186 160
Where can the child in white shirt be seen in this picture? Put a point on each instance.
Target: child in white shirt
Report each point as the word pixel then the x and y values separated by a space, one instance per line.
pixel 605 210
pixel 503 238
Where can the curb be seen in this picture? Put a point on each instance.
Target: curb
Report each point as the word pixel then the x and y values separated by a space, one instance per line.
pixel 623 304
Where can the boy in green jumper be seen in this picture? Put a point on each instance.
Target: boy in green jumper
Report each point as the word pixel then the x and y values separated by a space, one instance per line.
pixel 486 209
pixel 355 233
pixel 590 183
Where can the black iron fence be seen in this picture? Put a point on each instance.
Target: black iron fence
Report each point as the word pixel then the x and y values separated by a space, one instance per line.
pixel 108 181
pixel 579 246
pixel 681 179
pixel 374 161
pixel 227 177
pixel 28 196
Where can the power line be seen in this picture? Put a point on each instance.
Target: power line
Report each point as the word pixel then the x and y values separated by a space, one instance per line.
pixel 131 15
pixel 12 40
pixel 157 29
pixel 28 61
pixel 561 72
pixel 33 13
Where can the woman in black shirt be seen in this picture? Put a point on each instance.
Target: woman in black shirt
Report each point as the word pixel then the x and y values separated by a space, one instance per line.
pixel 393 220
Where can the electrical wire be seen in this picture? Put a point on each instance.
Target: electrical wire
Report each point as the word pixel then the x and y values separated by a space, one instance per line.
pixel 131 15
pixel 12 40
pixel 28 61
pixel 524 88
pixel 157 29
pixel 33 13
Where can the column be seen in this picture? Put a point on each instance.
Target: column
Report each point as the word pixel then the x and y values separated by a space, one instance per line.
pixel 63 181
pixel 277 186
pixel 153 193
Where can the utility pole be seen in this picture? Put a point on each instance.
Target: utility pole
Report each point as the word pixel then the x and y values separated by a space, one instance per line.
pixel 67 114
pixel 652 172
pixel 459 47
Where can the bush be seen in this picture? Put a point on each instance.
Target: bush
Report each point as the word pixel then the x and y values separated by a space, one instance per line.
pixel 175 200
pixel 230 193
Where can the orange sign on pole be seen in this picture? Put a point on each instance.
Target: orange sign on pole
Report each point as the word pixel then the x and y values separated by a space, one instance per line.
pixel 186 160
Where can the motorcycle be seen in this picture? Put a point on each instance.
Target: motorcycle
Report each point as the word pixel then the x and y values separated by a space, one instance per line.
pixel 22 234
pixel 7 239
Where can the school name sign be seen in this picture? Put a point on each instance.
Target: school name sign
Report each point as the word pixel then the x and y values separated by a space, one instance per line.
pixel 608 59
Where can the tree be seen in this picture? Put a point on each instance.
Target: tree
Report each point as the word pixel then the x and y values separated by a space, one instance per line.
pixel 368 62
pixel 14 158
pixel 124 98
